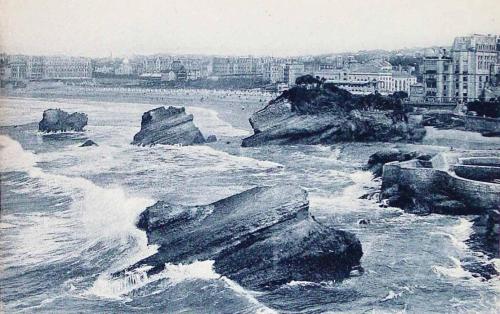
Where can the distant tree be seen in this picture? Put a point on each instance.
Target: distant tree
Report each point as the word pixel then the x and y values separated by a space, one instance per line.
pixel 399 95
pixel 489 108
pixel 307 79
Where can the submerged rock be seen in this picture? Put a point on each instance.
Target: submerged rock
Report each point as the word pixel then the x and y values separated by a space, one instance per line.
pixel 57 120
pixel 262 238
pixel 211 139
pixel 89 143
pixel 168 126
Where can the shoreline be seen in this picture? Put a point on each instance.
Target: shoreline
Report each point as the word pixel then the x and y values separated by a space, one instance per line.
pixel 235 108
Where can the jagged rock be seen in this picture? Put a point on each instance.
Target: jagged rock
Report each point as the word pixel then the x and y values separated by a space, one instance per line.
pixel 89 143
pixel 211 139
pixel 262 238
pixel 377 160
pixel 57 120
pixel 322 116
pixel 168 126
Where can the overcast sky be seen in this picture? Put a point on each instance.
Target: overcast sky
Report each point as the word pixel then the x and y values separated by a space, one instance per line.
pixel 279 27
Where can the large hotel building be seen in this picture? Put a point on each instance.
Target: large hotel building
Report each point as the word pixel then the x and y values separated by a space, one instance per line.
pixel 464 73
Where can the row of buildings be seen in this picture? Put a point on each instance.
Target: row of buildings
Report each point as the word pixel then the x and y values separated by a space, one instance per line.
pixel 358 78
pixel 34 68
pixel 468 71
pixel 464 72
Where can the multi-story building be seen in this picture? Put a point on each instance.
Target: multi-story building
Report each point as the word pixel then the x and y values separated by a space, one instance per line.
pixel 237 67
pixel 357 87
pixel 462 74
pixel 474 58
pixel 17 65
pixel 125 68
pixel 4 71
pixel 35 68
pixel 292 71
pixel 438 78
pixel 277 73
pixel 57 67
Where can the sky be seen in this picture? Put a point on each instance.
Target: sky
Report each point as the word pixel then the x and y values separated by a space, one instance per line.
pixel 237 27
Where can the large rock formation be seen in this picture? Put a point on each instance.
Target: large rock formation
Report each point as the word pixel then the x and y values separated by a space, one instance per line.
pixel 261 238
pixel 57 120
pixel 168 126
pixel 328 115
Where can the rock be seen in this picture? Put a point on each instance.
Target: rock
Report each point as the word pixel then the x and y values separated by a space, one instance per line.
pixel 364 222
pixel 378 159
pixel 211 139
pixel 301 116
pixel 57 120
pixel 168 126
pixel 89 143
pixel 493 226
pixel 262 238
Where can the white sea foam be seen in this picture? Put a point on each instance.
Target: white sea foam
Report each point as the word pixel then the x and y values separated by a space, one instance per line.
pixel 348 199
pixel 208 122
pixel 299 283
pixel 392 295
pixel 13 157
pixel 116 288
pixel 455 271
pixel 105 215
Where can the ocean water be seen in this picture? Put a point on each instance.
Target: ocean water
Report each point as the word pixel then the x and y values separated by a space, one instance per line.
pixel 68 221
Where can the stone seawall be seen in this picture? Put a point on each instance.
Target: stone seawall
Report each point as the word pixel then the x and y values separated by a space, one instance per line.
pixel 413 177
pixel 482 124
pixel 478 173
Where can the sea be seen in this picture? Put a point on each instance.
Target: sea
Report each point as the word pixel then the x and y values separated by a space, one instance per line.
pixel 68 219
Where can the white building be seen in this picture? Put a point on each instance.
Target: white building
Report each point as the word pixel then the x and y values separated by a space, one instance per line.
pixel 292 72
pixel 59 67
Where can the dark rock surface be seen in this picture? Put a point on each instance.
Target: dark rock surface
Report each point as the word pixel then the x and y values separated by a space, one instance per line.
pixel 88 143
pixel 443 119
pixel 423 202
pixel 326 116
pixel 57 120
pixel 211 139
pixel 377 160
pixel 261 238
pixel 168 126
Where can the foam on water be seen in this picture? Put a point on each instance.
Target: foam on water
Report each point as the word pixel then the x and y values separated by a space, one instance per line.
pixel 116 288
pixel 209 123
pixel 458 235
pixel 455 271
pixel 348 199
pixel 96 214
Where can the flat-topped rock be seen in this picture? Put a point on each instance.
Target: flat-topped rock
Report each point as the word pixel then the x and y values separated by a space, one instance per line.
pixel 261 238
pixel 57 120
pixel 168 126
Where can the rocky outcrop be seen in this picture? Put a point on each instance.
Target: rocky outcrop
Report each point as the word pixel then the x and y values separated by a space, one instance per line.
pixel 326 117
pixel 377 160
pixel 57 120
pixel 168 126
pixel 88 143
pixel 262 238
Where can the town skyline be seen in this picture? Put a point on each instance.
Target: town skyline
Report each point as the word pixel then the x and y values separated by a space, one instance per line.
pixel 295 28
